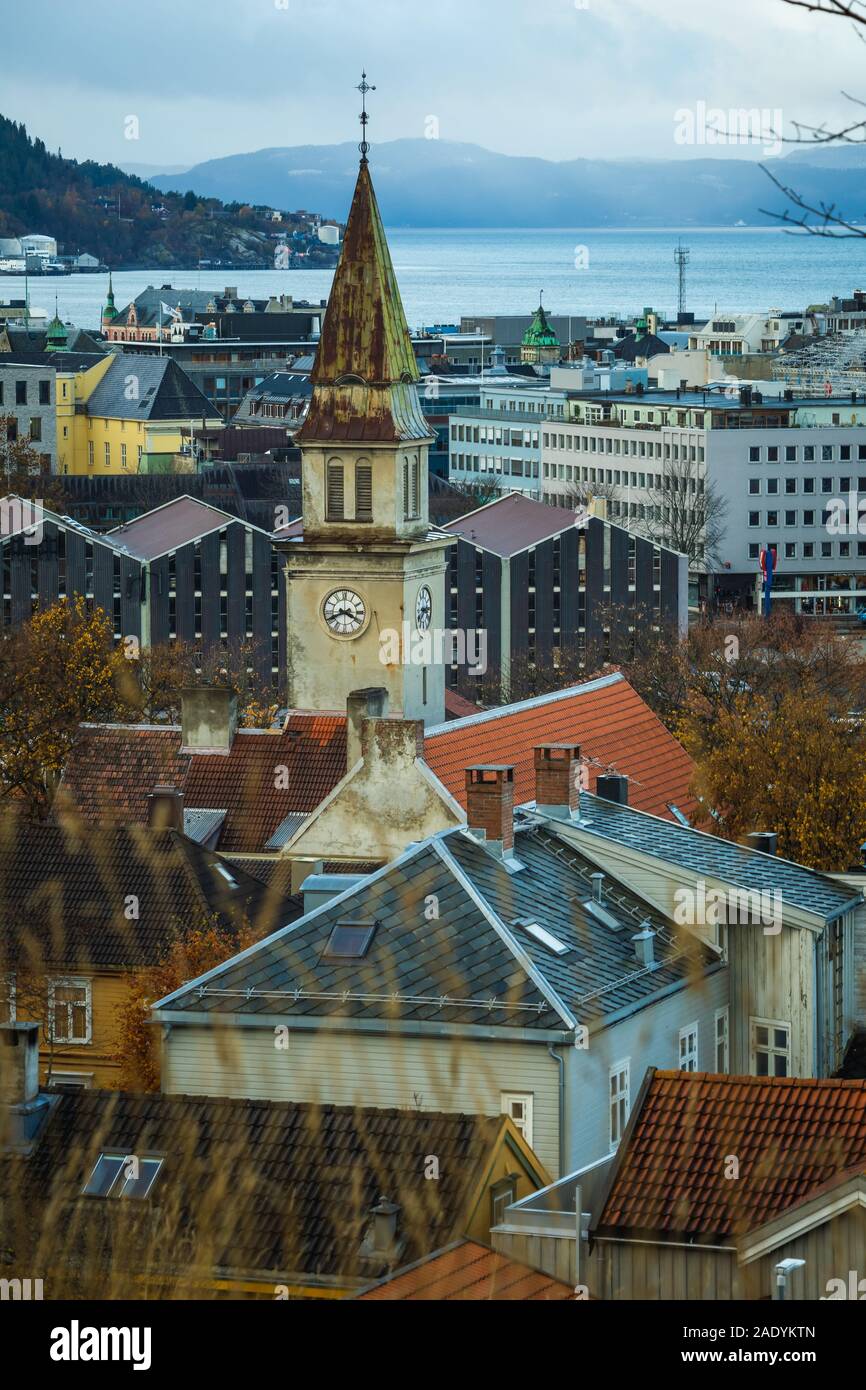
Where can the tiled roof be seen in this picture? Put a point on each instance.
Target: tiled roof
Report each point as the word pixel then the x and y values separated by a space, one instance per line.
pixel 717 858
pixel 475 962
pixel 607 717
pixel 468 1271
pixel 273 1188
pixel 114 768
pixel 789 1137
pixel 67 891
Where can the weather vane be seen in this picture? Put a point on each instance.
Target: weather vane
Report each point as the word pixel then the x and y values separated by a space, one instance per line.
pixel 364 87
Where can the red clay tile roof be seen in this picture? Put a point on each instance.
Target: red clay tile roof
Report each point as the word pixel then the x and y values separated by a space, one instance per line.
pixel 790 1137
pixel 457 706
pixel 114 768
pixel 469 1271
pixel 607 717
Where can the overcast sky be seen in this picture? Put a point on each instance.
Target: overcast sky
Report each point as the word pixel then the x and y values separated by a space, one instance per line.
pixel 555 78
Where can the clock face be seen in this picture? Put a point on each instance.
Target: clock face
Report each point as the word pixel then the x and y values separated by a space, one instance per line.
pixel 424 609
pixel 345 613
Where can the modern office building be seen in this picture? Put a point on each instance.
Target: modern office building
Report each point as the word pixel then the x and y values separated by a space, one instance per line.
pixel 778 464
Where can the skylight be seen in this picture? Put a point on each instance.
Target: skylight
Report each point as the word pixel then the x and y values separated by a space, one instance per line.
pixel 121 1175
pixel 349 940
pixel 226 874
pixel 545 937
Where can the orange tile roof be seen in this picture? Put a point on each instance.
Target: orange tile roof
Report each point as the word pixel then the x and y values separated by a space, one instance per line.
pixel 468 1271
pixel 790 1137
pixel 607 717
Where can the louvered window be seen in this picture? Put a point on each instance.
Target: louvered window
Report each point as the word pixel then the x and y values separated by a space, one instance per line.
pixel 336 489
pixel 363 492
pixel 406 512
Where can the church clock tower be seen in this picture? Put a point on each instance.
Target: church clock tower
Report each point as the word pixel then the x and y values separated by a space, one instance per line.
pixel 367 580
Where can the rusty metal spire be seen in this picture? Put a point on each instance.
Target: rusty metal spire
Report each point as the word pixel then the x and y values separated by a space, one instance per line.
pixel 364 87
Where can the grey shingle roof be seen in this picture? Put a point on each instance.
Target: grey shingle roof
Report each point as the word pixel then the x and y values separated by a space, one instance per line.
pixel 466 961
pixel 721 859
pixel 163 391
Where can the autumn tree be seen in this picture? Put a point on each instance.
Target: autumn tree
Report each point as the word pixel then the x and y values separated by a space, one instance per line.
pixel 793 767
pixel 57 670
pixel 152 681
pixel 21 471
pixel 193 950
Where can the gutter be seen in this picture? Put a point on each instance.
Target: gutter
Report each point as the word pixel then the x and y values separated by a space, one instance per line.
pixel 560 1060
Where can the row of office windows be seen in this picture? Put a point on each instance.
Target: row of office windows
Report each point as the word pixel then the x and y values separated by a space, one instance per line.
pixel 22 393
pixel 628 448
pixel 106 454
pixel 494 434
pixel 773 486
pixel 805 453
pixel 475 463
pixel 805 550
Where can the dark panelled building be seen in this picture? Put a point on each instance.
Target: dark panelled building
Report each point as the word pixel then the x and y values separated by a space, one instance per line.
pixel 185 571
pixel 546 584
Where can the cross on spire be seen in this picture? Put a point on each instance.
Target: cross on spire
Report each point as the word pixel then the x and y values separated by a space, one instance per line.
pixel 364 87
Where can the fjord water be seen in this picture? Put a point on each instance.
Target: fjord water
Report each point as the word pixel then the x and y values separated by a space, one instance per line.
pixel 445 273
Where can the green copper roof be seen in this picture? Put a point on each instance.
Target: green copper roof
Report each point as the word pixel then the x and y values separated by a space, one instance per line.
pixel 56 336
pixel 110 311
pixel 539 333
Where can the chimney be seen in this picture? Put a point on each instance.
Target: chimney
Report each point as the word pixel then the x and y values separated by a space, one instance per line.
pixel 165 809
pixel 644 945
pixel 360 705
pixel 557 779
pixel 764 840
pixel 597 881
pixel 209 719
pixel 382 1246
pixel 490 805
pixel 19 1063
pixel 612 787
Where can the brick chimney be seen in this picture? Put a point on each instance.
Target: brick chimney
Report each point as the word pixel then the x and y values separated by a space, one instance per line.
pixel 490 804
pixel 209 719
pixel 557 779
pixel 165 809
pixel 360 705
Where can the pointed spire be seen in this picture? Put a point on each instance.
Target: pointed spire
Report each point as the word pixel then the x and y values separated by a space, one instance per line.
pixel 365 371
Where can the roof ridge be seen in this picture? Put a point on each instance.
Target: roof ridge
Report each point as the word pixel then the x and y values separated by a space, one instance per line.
pixel 536 702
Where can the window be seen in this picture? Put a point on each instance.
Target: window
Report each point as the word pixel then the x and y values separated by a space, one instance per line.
pixel 363 492
pixel 518 1106
pixel 69 1011
pixel 35 427
pixel 688 1049
pixel 620 1103
pixel 121 1175
pixel 502 1195
pixel 45 393
pixel 723 1055
pixel 349 940
pixel 70 1081
pixel 21 393
pixel 107 454
pixel 771 1047
pixel 335 489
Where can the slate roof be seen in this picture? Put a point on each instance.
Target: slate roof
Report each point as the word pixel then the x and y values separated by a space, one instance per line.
pixel 615 728
pixel 717 858
pixel 472 962
pixel 511 524
pixel 164 391
pixel 113 769
pixel 790 1135
pixel 272 1188
pixel 468 1271
pixel 66 891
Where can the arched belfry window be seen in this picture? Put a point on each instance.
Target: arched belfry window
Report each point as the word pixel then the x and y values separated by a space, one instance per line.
pixel 335 500
pixel 363 492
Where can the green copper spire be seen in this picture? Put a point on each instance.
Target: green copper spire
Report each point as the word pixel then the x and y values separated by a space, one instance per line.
pixel 539 333
pixel 56 337
pixel 109 313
